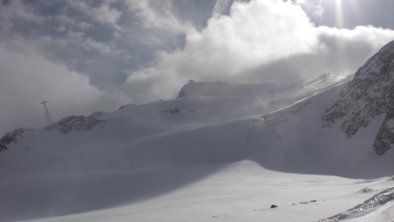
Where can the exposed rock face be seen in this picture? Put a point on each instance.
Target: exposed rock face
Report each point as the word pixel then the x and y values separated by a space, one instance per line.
pixel 66 125
pixel 385 138
pixel 75 123
pixel 11 137
pixel 369 95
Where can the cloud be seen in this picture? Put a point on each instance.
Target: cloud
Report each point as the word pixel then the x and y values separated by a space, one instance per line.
pixel 340 51
pixel 102 12
pixel 121 51
pixel 27 78
pixel 102 39
pixel 221 7
pixel 158 15
pixel 73 54
pixel 351 47
pixel 254 33
pixel 260 40
pixel 312 7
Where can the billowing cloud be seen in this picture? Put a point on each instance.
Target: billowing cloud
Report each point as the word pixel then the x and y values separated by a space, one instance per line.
pixel 340 52
pixel 260 40
pixel 254 33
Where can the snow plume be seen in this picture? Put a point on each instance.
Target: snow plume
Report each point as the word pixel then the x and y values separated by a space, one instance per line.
pixel 254 33
pixel 260 40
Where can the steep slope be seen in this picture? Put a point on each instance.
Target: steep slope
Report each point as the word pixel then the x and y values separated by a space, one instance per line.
pixel 370 95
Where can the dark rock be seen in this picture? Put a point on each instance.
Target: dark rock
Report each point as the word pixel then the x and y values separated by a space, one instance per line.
pixel 75 123
pixel 369 95
pixel 366 190
pixel 273 206
pixel 11 137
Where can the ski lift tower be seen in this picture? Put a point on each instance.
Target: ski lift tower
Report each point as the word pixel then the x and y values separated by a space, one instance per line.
pixel 46 112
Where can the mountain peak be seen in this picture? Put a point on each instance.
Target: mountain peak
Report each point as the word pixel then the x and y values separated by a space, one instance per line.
pixel 368 96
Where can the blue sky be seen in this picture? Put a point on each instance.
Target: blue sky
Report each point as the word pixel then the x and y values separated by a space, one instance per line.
pixel 86 56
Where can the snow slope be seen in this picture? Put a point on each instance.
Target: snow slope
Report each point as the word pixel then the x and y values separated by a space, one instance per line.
pixel 223 156
pixel 243 191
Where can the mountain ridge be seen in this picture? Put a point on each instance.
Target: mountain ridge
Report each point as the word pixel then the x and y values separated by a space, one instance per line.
pixel 141 154
pixel 369 95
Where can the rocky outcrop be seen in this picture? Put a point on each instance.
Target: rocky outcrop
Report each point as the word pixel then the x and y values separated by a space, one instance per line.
pixel 66 125
pixel 75 123
pixel 11 137
pixel 385 137
pixel 368 96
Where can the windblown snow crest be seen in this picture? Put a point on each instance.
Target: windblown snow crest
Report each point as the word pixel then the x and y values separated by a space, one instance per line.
pixel 368 96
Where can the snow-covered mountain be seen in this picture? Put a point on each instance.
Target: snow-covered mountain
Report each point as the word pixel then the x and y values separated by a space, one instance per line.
pixel 370 95
pixel 218 152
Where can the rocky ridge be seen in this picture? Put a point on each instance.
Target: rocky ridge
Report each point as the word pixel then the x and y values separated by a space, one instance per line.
pixel 11 137
pixel 75 123
pixel 368 96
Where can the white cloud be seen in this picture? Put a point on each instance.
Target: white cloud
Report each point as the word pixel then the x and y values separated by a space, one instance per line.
pixel 261 40
pixel 254 33
pixel 376 37
pixel 350 48
pixel 340 51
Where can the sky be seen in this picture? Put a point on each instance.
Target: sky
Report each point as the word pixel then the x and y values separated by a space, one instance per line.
pixel 95 55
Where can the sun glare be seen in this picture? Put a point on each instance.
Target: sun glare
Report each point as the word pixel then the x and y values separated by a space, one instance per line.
pixel 339 13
